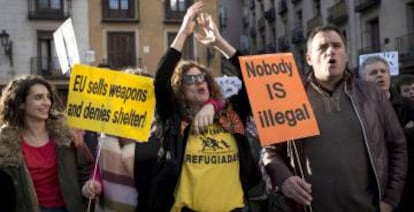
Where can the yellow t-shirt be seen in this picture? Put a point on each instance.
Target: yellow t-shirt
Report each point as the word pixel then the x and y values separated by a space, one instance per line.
pixel 209 180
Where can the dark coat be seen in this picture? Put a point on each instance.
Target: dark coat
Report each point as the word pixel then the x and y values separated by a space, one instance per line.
pixel 74 167
pixel 404 108
pixel 383 137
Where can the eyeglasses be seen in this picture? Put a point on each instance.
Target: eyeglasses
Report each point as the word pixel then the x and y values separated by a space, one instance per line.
pixel 192 79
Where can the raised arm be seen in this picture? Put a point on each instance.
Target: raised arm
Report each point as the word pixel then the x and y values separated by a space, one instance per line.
pixel 163 91
pixel 212 37
pixel 187 26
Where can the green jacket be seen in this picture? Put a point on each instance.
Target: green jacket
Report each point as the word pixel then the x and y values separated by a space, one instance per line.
pixel 74 167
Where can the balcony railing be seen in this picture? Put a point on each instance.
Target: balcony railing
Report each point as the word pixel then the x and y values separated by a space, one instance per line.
pixel 48 68
pixel 314 22
pixel 283 45
pixel 55 12
pixel 338 13
pixel 130 14
pixel 270 15
pixel 363 5
pixel 282 7
pixel 297 35
pixel 405 46
pixel 174 16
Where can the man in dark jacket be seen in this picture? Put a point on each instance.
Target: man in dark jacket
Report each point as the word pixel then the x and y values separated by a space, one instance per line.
pixel 358 162
pixel 376 69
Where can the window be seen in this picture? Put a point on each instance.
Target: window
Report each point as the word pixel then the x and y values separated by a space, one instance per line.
pixel 299 18
pixel 49 4
pixel 177 5
pixel 175 9
pixel 45 63
pixel 118 4
pixel 374 34
pixel 48 9
pixel 317 6
pixel 121 49
pixel 118 10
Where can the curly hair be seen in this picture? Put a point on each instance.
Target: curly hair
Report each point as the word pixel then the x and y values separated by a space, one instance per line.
pixel 14 95
pixel 177 79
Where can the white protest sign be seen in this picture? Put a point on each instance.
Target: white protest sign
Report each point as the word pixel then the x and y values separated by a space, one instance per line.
pixel 229 85
pixel 66 47
pixel 390 57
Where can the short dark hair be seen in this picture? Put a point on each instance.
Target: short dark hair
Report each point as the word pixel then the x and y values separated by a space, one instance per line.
pixel 324 28
pixel 404 80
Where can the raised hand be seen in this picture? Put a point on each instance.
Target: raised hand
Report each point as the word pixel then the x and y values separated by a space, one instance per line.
pixel 208 32
pixel 209 35
pixel 187 26
pixel 189 22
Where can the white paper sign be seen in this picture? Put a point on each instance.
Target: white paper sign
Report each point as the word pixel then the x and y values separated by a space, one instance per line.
pixel 390 57
pixel 66 47
pixel 229 85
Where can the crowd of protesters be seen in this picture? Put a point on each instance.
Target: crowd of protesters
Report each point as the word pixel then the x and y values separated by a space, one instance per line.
pixel 361 161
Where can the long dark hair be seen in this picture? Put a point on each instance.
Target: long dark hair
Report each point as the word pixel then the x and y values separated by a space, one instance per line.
pixel 14 95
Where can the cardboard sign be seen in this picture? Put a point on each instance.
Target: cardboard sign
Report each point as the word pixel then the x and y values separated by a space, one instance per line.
pixel 390 57
pixel 66 47
pixel 111 102
pixel 281 109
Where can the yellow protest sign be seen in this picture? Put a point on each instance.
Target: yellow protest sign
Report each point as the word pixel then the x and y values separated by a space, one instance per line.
pixel 111 102
pixel 281 109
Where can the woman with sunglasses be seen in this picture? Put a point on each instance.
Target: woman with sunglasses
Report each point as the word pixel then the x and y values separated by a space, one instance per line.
pixel 215 168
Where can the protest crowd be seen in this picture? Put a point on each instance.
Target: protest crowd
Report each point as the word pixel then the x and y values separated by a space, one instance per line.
pixel 204 150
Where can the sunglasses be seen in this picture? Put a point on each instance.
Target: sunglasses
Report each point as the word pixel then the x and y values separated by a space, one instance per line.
pixel 192 79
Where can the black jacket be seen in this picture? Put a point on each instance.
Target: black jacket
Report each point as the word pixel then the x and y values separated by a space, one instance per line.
pixel 166 169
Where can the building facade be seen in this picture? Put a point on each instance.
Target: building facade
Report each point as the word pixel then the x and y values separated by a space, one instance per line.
pixel 368 25
pixel 29 25
pixel 136 33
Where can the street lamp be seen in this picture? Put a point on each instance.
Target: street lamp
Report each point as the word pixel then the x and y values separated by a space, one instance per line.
pixel 7 45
